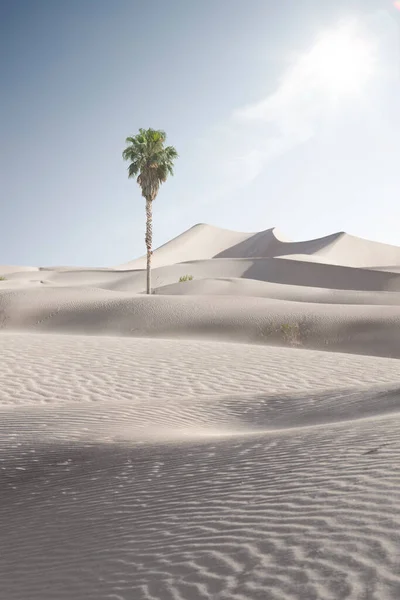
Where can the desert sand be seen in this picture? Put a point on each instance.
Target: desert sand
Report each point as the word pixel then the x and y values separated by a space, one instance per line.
pixel 233 436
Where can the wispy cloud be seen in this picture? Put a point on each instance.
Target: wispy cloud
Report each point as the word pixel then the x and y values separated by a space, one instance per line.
pixel 337 65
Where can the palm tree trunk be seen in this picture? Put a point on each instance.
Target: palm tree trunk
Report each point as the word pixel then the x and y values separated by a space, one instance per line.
pixel 149 241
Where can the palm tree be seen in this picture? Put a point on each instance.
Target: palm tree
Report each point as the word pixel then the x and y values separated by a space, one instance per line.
pixel 151 162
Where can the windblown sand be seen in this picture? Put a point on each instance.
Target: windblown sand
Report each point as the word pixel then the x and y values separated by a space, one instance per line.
pixel 236 436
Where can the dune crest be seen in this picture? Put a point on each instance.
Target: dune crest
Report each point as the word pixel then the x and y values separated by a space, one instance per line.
pixel 205 242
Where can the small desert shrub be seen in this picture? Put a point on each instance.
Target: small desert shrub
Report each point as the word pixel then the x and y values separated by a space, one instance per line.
pixel 291 334
pixel 185 278
pixel 297 334
pixel 2 279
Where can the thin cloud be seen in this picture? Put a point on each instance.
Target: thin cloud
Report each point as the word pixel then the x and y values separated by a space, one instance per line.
pixel 337 66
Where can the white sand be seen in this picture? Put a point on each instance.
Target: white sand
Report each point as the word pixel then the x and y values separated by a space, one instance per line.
pixel 200 467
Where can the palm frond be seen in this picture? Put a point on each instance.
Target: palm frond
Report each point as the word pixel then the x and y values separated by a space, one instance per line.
pixel 128 153
pixel 171 152
pixel 149 159
pixel 133 169
pixel 162 172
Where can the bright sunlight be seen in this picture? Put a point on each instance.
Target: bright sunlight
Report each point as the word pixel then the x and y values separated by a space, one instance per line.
pixel 341 61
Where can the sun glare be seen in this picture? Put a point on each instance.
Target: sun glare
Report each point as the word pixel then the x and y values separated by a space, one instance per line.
pixel 341 61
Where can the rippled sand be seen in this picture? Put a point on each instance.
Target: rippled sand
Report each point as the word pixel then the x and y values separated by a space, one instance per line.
pixel 142 469
pixel 233 437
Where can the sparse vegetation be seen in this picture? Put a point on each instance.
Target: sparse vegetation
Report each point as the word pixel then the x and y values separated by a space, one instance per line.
pixel 293 334
pixel 185 278
pixel 2 278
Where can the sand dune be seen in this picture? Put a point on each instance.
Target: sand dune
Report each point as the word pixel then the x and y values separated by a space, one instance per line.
pixel 204 242
pixel 235 286
pixel 6 269
pixel 231 437
pixel 273 270
pixel 355 328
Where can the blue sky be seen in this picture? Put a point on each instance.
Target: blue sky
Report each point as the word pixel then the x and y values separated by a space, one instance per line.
pixel 273 127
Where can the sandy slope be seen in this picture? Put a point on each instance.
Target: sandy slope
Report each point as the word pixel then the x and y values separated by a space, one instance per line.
pixel 357 328
pixel 204 242
pixel 196 467
pixel 142 469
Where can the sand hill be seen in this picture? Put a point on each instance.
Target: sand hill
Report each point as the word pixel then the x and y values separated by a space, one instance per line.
pixel 231 437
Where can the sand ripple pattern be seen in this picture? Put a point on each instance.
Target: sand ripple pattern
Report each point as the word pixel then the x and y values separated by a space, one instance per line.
pixel 61 369
pixel 179 470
